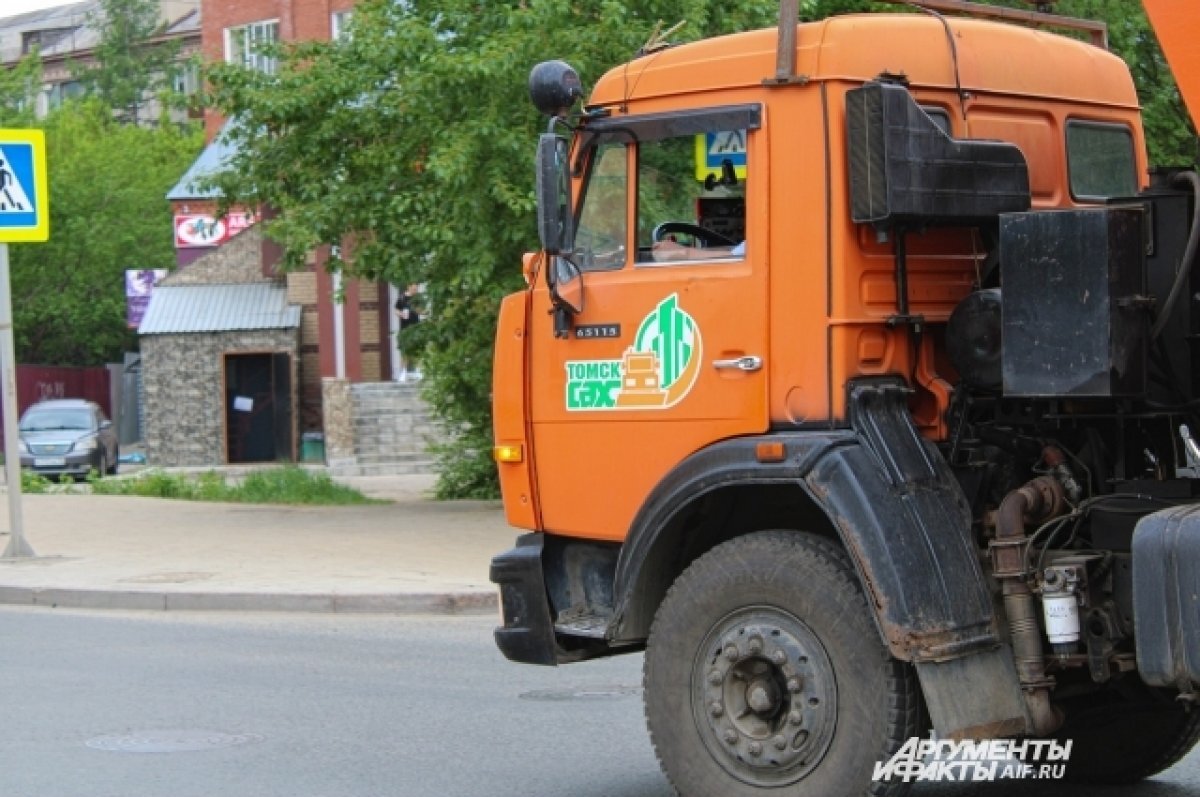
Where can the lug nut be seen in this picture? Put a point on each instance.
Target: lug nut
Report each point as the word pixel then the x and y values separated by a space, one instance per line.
pixel 754 748
pixel 779 657
pixel 756 644
pixel 731 736
pixel 795 717
pixel 715 678
pixel 779 742
pixel 731 652
pixel 716 709
pixel 794 685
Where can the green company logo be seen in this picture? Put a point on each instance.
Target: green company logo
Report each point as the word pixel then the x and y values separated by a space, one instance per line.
pixel 655 373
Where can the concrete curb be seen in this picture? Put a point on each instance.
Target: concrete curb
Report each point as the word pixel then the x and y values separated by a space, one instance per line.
pixel 448 603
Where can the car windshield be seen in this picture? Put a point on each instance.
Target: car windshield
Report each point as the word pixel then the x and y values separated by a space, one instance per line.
pixel 54 420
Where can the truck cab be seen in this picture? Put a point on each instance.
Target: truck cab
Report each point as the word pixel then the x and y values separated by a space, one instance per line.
pixel 878 328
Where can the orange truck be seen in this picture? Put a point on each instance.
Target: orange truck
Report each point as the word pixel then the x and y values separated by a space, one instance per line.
pixel 855 383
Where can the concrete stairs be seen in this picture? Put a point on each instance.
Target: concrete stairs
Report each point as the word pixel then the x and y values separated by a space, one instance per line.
pixel 392 430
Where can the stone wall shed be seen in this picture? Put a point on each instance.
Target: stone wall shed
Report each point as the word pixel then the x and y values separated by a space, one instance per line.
pixel 220 374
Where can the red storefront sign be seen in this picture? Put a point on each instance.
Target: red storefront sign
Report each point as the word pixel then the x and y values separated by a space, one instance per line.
pixel 195 230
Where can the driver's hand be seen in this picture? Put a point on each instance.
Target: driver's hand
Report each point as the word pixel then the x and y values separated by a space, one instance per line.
pixel 667 249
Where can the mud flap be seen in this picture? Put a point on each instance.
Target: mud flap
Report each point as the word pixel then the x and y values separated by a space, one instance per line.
pixel 906 524
pixel 975 697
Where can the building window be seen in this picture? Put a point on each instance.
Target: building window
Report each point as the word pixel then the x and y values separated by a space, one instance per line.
pixel 61 92
pixel 187 79
pixel 339 24
pixel 244 45
pixel 43 39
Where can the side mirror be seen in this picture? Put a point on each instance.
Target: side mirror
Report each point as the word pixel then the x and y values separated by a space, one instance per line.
pixel 105 424
pixel 553 195
pixel 554 87
pixel 567 286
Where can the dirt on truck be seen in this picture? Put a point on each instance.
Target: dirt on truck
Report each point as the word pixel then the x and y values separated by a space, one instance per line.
pixel 857 382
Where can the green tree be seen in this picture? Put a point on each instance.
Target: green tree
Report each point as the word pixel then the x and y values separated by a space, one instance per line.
pixel 19 87
pixel 108 213
pixel 413 137
pixel 130 67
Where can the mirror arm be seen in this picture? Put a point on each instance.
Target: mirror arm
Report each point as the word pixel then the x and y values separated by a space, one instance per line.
pixel 562 321
pixel 555 121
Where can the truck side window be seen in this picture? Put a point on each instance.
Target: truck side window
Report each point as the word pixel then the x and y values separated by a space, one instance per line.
pixel 1100 160
pixel 602 232
pixel 692 197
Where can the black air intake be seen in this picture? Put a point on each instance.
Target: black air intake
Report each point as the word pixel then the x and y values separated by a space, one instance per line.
pixel 905 170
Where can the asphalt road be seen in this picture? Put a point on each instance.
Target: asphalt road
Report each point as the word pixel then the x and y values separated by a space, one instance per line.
pixel 141 705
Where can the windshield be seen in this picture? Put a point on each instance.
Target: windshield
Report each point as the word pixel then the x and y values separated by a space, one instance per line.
pixel 55 420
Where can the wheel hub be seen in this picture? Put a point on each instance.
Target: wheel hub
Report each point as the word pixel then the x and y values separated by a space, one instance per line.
pixel 764 696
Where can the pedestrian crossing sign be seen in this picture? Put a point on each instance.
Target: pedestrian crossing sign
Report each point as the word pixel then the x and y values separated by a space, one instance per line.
pixel 24 197
pixel 717 150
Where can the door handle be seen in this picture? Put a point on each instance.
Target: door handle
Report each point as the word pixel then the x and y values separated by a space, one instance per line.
pixel 750 362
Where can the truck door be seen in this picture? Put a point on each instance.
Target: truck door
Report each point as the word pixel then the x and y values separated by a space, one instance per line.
pixel 668 352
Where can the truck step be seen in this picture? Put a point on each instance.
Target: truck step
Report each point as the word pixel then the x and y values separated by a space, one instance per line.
pixel 592 626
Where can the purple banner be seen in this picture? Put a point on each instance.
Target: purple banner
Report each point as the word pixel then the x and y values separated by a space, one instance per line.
pixel 139 284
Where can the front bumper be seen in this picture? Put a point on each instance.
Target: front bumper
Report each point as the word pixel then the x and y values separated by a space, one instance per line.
pixel 74 464
pixel 527 635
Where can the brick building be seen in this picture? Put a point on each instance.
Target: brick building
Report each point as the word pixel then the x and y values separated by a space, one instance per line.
pixel 342 344
pixel 231 28
pixel 65 38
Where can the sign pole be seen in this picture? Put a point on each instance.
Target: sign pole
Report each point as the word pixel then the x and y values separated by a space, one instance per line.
pixel 17 546
pixel 24 218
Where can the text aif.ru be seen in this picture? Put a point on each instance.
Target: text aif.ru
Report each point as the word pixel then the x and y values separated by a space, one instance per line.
pixel 977 761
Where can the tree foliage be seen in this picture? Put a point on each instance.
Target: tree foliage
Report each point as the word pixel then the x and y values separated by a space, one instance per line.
pixel 130 68
pixel 413 138
pixel 19 87
pixel 108 213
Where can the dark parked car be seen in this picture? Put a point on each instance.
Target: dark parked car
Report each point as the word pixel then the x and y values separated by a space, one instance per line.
pixel 68 437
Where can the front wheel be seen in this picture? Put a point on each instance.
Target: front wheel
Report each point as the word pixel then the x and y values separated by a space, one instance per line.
pixel 764 672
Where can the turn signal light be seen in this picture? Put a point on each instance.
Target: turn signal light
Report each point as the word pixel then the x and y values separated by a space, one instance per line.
pixel 509 453
pixel 770 452
pixel 529 266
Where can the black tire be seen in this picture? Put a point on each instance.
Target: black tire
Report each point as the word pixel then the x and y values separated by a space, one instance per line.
pixel 1124 742
pixel 111 470
pixel 818 734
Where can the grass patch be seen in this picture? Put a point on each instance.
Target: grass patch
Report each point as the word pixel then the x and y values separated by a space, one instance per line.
pixel 286 485
pixel 34 482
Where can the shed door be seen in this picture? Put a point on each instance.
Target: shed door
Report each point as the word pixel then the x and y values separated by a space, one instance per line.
pixel 258 408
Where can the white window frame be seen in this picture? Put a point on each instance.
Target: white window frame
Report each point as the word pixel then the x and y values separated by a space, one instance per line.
pixel 338 21
pixel 263 31
pixel 187 79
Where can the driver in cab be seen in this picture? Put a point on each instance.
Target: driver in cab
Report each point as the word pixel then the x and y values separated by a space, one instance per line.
pixel 669 250
pixel 724 199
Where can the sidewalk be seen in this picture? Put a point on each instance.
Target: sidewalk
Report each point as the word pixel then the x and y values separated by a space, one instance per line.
pixel 412 556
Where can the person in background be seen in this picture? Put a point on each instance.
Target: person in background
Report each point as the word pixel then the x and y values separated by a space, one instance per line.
pixel 406 310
